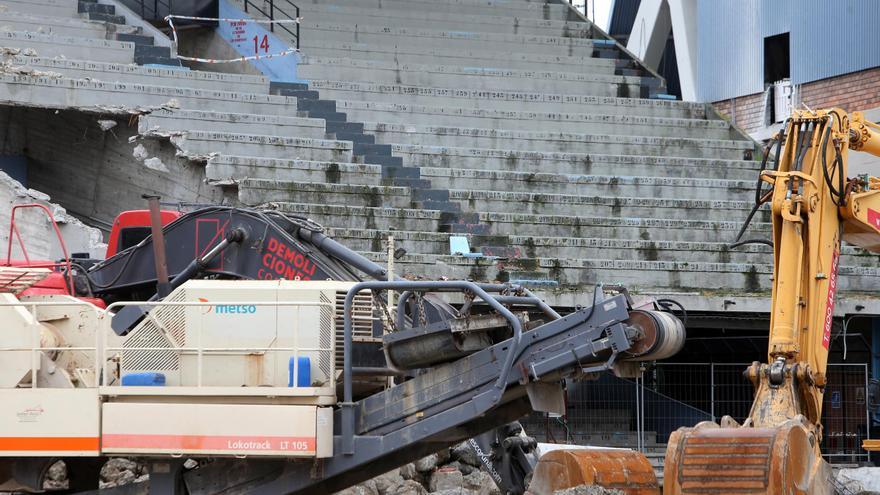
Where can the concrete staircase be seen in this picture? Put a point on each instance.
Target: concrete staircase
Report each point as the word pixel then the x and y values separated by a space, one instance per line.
pixel 524 128
pixel 516 124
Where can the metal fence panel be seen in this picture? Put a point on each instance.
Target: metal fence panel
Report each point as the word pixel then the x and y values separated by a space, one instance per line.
pixel 641 414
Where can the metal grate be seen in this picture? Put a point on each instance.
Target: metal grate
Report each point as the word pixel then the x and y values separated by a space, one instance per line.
pixel 325 339
pixel 362 321
pixel 166 327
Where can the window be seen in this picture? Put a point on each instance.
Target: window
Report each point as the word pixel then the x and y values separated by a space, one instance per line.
pixel 776 58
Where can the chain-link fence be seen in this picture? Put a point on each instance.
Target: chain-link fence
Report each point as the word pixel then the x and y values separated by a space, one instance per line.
pixel 642 413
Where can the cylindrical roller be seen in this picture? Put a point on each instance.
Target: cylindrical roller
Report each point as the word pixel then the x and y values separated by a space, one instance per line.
pixel 625 470
pixel 661 335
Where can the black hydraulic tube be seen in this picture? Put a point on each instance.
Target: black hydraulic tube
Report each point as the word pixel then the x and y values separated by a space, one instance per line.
pixel 344 254
pixel 347 405
pixel 129 316
pixel 404 297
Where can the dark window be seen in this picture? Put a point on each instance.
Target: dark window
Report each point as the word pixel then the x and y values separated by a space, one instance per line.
pixel 776 58
pixel 129 236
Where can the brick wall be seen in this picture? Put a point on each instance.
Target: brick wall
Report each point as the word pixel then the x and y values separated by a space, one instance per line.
pixel 748 114
pixel 852 92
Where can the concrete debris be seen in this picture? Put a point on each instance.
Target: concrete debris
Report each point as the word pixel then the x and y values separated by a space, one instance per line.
pixel 408 487
pixel 119 471
pixel 408 471
pixel 427 463
pixel 446 478
pixel 588 490
pixel 171 104
pixel 442 473
pixel 863 481
pixel 7 67
pixel 106 125
pixel 156 164
pixel 140 153
pixel 389 480
pixel 56 477
pixel 464 453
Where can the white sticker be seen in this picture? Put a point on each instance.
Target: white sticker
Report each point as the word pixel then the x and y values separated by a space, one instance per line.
pixel 610 305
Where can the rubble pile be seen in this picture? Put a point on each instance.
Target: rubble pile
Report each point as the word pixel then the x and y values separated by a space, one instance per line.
pixel 455 471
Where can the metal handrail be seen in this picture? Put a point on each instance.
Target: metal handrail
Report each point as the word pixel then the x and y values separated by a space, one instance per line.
pixel 271 16
pixel 36 348
pixel 156 4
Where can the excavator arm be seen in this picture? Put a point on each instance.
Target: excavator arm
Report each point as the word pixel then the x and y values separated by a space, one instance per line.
pixel 814 208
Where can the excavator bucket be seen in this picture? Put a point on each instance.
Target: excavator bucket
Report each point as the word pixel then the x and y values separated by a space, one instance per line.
pixel 709 459
pixel 621 469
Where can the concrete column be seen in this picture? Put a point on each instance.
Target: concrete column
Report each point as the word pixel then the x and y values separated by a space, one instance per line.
pixel 683 14
pixel 650 31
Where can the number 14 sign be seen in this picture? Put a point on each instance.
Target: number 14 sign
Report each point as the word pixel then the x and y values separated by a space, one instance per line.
pixel 261 44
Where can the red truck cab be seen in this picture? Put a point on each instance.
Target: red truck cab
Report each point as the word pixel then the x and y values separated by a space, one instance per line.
pixel 129 228
pixel 133 226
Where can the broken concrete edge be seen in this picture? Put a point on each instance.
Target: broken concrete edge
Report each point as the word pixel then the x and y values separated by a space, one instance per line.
pixel 176 139
pixel 21 195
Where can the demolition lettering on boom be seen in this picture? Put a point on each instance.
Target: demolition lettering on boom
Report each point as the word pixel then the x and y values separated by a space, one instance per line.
pixel 829 306
pixel 282 261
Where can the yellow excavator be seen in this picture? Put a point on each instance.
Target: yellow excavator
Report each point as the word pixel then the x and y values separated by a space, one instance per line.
pixel 814 208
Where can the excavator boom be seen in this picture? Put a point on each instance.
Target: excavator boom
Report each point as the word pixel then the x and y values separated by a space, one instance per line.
pixel 814 208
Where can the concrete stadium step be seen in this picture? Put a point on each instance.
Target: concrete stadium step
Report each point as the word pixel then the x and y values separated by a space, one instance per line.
pixel 539 9
pixel 573 247
pixel 58 26
pixel 509 223
pixel 650 187
pixel 228 168
pixel 60 92
pixel 560 204
pixel 729 278
pixel 636 275
pixel 202 143
pixel 259 191
pixel 509 59
pixel 383 72
pixel 545 161
pixel 516 101
pixel 627 201
pixel 391 37
pixel 193 120
pixel 48 46
pixel 54 8
pixel 498 22
pixel 407 135
pixel 394 113
pixel 137 74
pixel 545 186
